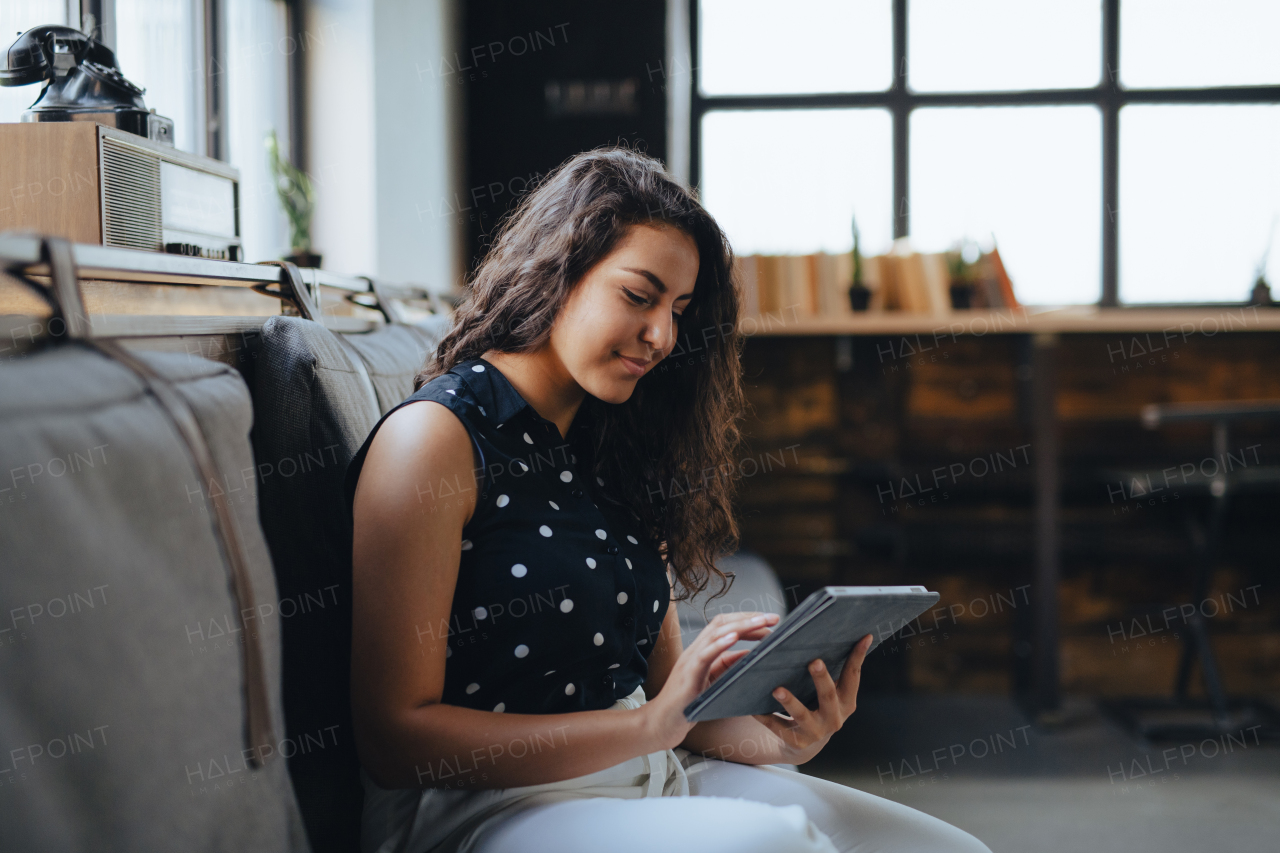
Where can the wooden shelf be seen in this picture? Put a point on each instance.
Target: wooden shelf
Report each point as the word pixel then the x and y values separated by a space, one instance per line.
pixel 1173 322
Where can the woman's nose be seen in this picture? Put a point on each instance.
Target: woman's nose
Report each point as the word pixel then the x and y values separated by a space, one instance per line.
pixel 660 336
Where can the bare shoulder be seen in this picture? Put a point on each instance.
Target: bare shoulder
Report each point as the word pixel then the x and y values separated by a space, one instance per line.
pixel 417 448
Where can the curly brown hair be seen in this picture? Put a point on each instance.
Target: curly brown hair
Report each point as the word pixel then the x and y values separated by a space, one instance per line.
pixel 667 447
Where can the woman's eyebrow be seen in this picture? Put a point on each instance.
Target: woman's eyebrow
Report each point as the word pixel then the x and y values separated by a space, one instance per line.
pixel 657 282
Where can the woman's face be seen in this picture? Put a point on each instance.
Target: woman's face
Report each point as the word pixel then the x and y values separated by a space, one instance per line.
pixel 623 318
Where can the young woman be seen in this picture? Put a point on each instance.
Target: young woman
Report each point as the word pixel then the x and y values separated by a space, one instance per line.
pixel 522 525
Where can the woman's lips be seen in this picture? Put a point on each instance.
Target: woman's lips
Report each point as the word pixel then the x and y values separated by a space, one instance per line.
pixel 636 368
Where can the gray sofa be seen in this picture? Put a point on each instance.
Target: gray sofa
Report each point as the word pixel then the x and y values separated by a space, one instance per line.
pixel 174 660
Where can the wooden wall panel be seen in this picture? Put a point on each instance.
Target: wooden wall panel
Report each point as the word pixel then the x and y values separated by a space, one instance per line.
pixel 894 414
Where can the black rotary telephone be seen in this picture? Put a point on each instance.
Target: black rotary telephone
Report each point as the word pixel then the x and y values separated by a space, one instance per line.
pixel 84 82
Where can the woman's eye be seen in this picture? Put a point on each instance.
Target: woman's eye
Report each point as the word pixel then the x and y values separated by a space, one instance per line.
pixel 637 299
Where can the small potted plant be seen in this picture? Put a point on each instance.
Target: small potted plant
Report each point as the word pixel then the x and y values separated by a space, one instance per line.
pixel 1261 289
pixel 297 197
pixel 960 266
pixel 859 293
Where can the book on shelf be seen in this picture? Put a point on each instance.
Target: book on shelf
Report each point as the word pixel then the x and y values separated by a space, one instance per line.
pixel 788 286
pixel 817 285
pixel 992 287
pixel 1003 282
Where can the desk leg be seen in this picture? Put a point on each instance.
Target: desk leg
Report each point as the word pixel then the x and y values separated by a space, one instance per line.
pixel 1046 698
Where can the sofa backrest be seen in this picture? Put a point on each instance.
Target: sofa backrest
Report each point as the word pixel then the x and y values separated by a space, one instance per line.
pixel 317 395
pixel 123 688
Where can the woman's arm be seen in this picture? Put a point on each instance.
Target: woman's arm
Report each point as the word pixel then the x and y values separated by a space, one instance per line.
pixel 406 552
pixel 766 738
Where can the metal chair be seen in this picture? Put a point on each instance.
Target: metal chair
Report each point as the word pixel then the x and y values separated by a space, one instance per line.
pixel 1181 717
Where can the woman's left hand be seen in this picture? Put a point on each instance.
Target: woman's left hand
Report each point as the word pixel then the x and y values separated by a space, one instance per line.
pixel 807 732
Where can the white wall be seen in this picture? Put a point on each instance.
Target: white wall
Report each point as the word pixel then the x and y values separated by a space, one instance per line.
pixel 420 141
pixel 677 78
pixel 384 135
pixel 339 43
pixel 256 75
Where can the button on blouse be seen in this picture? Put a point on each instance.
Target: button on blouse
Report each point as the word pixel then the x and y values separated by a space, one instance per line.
pixel 560 596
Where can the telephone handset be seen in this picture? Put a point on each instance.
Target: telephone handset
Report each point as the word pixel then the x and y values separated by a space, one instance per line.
pixel 84 82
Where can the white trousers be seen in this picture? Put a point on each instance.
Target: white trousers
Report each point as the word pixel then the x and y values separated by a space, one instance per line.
pixel 665 802
pixel 732 808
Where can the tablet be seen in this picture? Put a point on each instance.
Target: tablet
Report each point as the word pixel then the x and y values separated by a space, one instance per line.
pixel 827 625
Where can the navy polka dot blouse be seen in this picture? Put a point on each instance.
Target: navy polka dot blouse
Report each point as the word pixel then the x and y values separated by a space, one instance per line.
pixel 559 598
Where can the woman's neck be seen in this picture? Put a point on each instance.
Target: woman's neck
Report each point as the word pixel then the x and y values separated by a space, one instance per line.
pixel 543 381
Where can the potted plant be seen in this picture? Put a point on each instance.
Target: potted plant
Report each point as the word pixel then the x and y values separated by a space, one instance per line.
pixel 1261 289
pixel 859 294
pixel 297 197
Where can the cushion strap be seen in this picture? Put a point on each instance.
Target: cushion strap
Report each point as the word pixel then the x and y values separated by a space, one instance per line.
pixel 257 707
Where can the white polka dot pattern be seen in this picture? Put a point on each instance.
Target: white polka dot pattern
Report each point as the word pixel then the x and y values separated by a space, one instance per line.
pixel 524 585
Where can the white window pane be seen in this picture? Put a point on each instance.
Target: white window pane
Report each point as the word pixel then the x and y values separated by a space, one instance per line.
pixel 1199 199
pixel 1030 176
pixel 985 45
pixel 762 47
pixel 1193 43
pixel 790 181
pixel 256 77
pixel 158 47
pixel 19 16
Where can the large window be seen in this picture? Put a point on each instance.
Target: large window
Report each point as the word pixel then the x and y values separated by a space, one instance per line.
pixel 222 106
pixel 1117 151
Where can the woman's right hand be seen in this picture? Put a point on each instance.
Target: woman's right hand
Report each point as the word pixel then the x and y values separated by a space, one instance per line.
pixel 707 657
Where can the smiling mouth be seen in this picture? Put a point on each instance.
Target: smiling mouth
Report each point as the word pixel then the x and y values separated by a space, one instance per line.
pixel 634 365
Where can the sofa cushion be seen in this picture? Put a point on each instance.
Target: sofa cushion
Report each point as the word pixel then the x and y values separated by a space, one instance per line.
pixel 314 405
pixel 122 692
pixel 393 356
pixel 755 587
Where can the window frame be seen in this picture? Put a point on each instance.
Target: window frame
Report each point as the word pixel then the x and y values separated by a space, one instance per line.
pixel 1109 96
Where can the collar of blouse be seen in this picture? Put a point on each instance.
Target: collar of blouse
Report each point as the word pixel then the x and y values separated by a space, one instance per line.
pixel 500 401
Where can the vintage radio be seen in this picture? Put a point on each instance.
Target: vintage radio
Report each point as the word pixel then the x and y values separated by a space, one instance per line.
pixel 92 183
